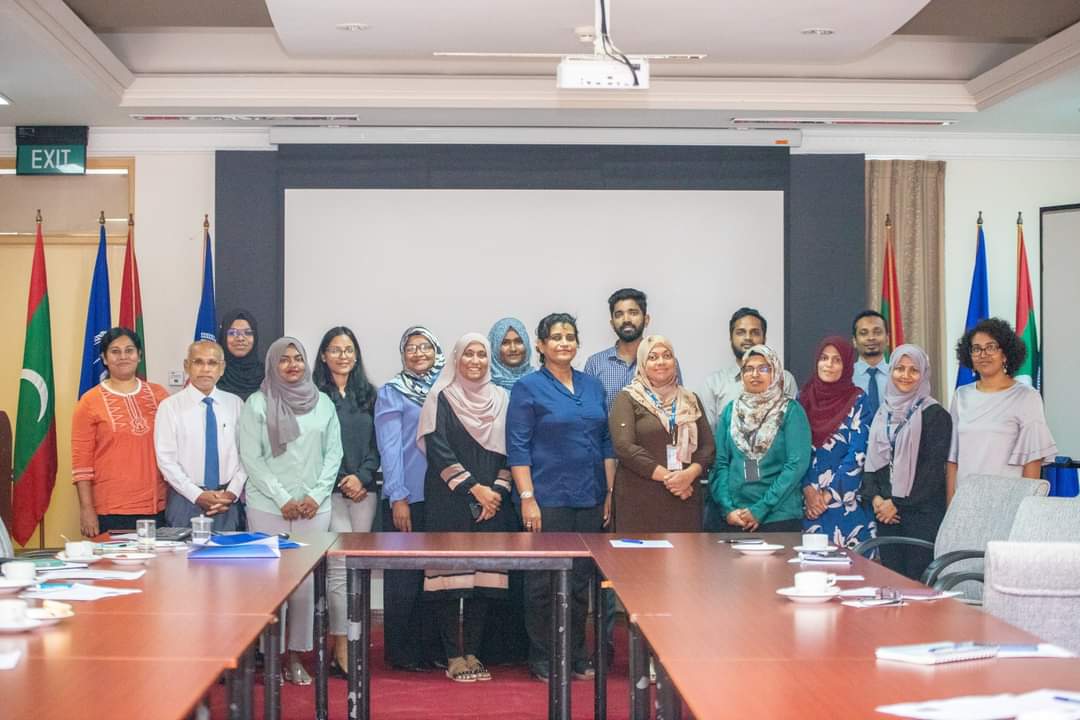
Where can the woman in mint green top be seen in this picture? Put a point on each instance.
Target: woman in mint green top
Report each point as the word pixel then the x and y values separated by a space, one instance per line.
pixel 762 451
pixel 290 445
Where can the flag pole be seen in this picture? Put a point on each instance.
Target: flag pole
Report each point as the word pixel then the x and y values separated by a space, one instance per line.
pixel 41 525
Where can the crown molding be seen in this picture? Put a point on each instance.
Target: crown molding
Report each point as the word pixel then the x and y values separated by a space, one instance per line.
pixel 321 91
pixel 1046 61
pixel 941 145
pixel 152 140
pixel 61 30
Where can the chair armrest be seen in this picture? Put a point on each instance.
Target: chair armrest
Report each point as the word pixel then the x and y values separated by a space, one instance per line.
pixel 948 582
pixel 866 546
pixel 938 564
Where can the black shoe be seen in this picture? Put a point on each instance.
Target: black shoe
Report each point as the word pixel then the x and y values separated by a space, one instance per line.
pixel 539 671
pixel 336 671
pixel 583 670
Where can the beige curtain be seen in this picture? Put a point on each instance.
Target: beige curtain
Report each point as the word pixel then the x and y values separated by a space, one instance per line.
pixel 912 194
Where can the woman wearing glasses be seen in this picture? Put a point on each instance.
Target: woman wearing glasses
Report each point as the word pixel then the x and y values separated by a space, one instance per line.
pixel 998 423
pixel 339 372
pixel 238 335
pixel 762 451
pixel 411 640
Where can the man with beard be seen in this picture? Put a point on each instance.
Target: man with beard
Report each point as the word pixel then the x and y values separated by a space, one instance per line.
pixel 871 339
pixel 615 366
pixel 746 329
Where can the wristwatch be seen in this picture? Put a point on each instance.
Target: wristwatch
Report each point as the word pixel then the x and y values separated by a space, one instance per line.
pixel 526 495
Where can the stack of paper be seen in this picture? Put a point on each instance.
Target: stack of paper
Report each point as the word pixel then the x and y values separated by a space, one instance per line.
pixel 78 591
pixel 9 658
pixel 88 574
pixel 1057 704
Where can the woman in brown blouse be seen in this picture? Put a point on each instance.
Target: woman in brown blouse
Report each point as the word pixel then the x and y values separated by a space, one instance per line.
pixel 664 445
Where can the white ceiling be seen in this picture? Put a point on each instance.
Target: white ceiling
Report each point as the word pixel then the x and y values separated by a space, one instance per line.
pixel 57 70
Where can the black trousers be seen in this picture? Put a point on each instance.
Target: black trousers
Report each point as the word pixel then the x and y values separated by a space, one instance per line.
pixel 538 586
pixel 410 628
pixel 461 627
pixel 776 526
pixel 127 522
pixel 920 521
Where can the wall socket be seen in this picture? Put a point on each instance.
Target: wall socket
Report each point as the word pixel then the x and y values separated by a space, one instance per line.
pixel 176 378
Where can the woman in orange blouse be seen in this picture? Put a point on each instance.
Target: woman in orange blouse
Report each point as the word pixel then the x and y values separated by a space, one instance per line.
pixel 112 443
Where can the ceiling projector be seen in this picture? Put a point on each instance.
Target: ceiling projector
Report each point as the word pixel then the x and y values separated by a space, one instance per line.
pixel 601 72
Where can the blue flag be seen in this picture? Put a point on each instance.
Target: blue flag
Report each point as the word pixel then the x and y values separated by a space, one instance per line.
pixel 978 300
pixel 206 322
pixel 98 322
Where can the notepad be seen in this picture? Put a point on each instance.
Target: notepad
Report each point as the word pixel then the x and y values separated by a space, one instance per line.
pixel 936 653
pixel 633 543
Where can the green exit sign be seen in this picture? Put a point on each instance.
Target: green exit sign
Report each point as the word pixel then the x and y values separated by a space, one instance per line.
pixel 51 160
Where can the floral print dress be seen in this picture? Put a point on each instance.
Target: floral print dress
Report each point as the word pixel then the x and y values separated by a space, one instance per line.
pixel 837 467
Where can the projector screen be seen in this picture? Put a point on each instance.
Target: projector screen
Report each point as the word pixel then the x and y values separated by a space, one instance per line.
pixel 1060 343
pixel 456 261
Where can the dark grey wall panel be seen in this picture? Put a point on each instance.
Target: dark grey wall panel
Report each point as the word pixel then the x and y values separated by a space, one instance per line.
pixel 825 254
pixel 249 252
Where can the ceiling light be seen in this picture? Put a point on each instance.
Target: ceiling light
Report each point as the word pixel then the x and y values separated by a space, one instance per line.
pixel 818 31
pixel 352 26
pixel 4 100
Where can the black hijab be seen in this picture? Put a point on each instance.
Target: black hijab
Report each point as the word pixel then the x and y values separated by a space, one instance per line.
pixel 243 375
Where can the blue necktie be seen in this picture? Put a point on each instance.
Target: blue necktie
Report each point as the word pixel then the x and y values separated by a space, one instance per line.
pixel 872 398
pixel 211 472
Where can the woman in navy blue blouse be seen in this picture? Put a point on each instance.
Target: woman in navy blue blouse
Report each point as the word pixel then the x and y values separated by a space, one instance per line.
pixel 560 455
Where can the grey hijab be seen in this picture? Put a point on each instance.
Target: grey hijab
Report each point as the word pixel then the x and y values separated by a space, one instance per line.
pixel 284 401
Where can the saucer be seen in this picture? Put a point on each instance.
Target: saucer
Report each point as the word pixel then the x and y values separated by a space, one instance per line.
pixel 803 548
pixel 8 586
pixel 50 612
pixel 795 596
pixel 27 623
pixel 133 558
pixel 757 548
pixel 88 560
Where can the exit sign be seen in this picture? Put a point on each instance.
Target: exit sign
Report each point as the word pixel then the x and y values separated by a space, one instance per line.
pixel 50 150
pixel 51 160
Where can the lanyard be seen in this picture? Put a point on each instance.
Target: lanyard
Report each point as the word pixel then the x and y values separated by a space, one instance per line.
pixel 660 406
pixel 892 436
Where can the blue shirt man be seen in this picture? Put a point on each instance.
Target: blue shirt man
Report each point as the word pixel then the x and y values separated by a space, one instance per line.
pixel 871 339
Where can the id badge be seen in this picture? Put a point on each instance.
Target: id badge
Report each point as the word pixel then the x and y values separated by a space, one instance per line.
pixel 673 458
pixel 752 474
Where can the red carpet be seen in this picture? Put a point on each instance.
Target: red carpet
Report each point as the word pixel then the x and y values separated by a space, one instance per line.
pixel 397 695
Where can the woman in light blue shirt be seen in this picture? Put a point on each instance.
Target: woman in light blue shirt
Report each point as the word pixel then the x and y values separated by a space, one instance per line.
pixel 411 640
pixel 290 445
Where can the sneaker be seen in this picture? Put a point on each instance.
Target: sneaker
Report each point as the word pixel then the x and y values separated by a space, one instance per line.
pixel 583 670
pixel 539 671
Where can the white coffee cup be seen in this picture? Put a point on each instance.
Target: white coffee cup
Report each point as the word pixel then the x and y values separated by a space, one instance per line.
pixel 814 582
pixel 815 541
pixel 79 549
pixel 19 570
pixel 12 612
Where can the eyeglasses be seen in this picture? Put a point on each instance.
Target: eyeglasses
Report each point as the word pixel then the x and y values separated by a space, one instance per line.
pixel 421 349
pixel 987 349
pixel 339 351
pixel 749 370
pixel 124 351
pixel 238 333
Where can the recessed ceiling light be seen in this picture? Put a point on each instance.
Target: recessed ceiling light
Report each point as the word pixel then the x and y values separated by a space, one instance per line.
pixel 4 100
pixel 352 26
pixel 818 31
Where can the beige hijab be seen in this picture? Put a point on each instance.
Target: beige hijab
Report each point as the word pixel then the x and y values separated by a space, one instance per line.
pixel 659 399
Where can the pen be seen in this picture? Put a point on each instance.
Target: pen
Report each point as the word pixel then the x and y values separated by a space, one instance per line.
pixel 634 542
pixel 956 646
pixel 53 586
pixel 1062 698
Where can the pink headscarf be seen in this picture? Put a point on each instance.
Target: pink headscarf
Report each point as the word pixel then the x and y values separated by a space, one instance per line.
pixel 480 405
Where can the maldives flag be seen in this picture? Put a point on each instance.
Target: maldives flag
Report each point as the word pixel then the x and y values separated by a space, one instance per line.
pixel 890 295
pixel 1025 313
pixel 35 424
pixel 130 297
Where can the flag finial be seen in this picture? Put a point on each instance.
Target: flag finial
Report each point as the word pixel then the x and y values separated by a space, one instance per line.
pixel 206 222
pixel 979 221
pixel 131 219
pixel 101 218
pixel 1019 218
pixel 888 220
pixel 38 218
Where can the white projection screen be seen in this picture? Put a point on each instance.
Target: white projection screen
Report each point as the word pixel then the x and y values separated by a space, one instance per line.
pixel 458 260
pixel 1060 341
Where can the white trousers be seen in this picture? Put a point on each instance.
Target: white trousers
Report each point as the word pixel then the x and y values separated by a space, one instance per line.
pixel 345 516
pixel 299 625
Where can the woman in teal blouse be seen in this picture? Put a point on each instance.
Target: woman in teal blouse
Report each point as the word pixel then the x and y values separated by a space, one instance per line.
pixel 762 451
pixel 290 444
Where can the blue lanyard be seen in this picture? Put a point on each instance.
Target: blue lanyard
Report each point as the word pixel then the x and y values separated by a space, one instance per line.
pixel 888 425
pixel 660 406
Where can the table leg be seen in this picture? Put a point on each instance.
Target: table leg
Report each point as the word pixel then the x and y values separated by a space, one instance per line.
pixel 358 599
pixel 668 702
pixel 233 688
pixel 272 662
pixel 321 667
pixel 600 638
pixel 247 683
pixel 639 675
pixel 559 682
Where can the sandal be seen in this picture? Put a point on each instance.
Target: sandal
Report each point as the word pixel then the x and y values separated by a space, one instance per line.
pixel 296 674
pixel 457 669
pixel 477 668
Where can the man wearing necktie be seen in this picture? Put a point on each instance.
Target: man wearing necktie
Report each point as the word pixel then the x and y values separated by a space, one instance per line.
pixel 195 443
pixel 871 339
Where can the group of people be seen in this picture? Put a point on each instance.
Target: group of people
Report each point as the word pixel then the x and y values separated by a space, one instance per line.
pixel 482 440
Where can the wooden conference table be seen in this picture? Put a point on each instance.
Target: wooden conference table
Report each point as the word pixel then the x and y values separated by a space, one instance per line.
pixel 158 651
